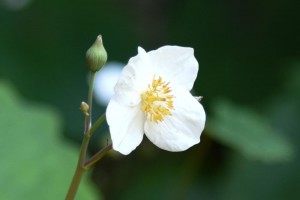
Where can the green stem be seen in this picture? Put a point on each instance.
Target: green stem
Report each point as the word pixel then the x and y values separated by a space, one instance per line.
pixel 99 121
pixel 97 156
pixel 75 183
pixel 82 164
pixel 80 169
pixel 88 119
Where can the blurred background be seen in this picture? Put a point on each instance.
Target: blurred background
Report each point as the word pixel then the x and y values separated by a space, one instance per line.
pixel 249 76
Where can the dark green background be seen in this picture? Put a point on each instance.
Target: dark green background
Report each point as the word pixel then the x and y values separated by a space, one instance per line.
pixel 249 56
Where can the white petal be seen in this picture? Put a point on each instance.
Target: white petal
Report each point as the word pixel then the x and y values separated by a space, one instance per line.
pixel 183 128
pixel 134 79
pixel 175 64
pixel 141 51
pixel 126 126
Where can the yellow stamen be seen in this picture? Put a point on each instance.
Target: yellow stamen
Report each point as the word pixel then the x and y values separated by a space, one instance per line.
pixel 157 100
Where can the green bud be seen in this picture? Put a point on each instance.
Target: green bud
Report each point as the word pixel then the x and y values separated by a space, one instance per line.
pixel 84 107
pixel 96 55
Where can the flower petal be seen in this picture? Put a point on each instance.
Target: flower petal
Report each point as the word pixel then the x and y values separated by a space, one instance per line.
pixel 126 126
pixel 134 79
pixel 183 128
pixel 175 64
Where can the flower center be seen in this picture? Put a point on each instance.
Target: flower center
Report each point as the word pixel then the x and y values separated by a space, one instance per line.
pixel 157 100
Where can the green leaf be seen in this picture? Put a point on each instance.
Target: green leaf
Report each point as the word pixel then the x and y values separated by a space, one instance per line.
pixel 35 162
pixel 248 132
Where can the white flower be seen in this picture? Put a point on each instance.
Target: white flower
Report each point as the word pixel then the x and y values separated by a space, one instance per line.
pixel 152 97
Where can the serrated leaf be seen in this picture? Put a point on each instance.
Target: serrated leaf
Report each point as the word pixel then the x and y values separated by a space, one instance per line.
pixel 35 162
pixel 248 132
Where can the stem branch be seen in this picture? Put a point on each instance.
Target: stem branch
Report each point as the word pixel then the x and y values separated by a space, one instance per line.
pixel 99 121
pixel 97 156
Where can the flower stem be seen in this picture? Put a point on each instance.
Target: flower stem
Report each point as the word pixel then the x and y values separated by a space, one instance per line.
pixel 99 121
pixel 88 118
pixel 75 183
pixel 80 169
pixel 82 164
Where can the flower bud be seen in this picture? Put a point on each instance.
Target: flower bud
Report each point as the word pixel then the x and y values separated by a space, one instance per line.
pixel 96 55
pixel 84 107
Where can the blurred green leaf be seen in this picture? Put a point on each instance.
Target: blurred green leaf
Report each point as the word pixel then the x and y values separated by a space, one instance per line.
pixel 248 132
pixel 35 162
